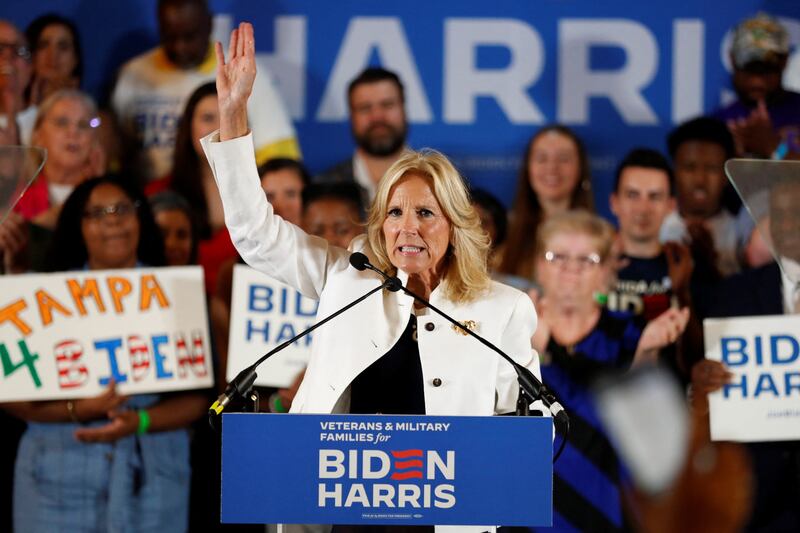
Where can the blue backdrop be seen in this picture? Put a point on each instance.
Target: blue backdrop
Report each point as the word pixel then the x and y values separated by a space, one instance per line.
pixel 481 77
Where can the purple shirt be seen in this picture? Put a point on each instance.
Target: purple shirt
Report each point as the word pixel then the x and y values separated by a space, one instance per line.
pixel 784 112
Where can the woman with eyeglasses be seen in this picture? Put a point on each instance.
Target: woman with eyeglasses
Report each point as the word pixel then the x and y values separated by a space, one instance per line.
pixel 579 340
pixel 66 126
pixel 108 463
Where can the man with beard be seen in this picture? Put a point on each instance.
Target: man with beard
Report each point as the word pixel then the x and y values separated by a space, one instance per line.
pixel 378 123
pixel 765 119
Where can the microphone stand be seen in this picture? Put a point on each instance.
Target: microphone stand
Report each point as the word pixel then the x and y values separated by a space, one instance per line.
pixel 242 385
pixel 530 387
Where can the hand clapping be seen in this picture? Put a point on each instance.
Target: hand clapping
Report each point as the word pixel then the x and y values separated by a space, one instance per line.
pixel 755 134
pixel 660 332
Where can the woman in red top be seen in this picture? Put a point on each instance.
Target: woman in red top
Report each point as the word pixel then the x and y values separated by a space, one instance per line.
pixel 66 127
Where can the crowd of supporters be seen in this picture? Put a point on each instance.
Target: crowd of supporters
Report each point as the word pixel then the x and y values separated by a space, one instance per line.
pixel 609 299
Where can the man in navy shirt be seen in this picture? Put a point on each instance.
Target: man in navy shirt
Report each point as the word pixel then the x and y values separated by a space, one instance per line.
pixel 653 276
pixel 649 278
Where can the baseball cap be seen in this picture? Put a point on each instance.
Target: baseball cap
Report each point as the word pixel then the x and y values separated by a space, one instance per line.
pixel 760 39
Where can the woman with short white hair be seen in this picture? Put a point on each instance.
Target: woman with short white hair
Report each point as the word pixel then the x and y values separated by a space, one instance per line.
pixel 66 126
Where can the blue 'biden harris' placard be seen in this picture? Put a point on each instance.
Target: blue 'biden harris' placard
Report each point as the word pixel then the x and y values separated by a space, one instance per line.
pixel 412 470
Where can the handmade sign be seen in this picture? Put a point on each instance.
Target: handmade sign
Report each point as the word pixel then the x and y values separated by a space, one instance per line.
pixel 67 335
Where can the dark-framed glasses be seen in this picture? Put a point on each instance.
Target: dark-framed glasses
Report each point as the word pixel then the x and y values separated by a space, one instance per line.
pixel 19 50
pixel 122 210
pixel 582 261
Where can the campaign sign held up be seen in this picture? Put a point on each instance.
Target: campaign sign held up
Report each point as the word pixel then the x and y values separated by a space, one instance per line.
pixel 392 470
pixel 264 314
pixel 67 335
pixel 762 401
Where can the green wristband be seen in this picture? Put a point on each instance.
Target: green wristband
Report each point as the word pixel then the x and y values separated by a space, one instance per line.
pixel 277 404
pixel 144 422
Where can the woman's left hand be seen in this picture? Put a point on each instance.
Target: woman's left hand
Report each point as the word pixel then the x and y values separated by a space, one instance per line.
pixel 121 424
pixel 660 332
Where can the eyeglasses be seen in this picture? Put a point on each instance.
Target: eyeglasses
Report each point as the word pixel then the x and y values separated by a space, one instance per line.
pixel 122 210
pixel 562 260
pixel 19 50
pixel 83 126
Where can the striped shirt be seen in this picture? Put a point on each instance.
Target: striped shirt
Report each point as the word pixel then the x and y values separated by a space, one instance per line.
pixel 586 478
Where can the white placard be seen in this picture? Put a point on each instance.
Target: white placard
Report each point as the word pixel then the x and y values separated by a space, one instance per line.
pixel 64 335
pixel 264 314
pixel 762 402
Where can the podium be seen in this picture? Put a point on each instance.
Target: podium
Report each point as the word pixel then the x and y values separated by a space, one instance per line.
pixel 386 470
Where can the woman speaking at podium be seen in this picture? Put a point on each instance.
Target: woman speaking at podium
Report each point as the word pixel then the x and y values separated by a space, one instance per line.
pixel 387 354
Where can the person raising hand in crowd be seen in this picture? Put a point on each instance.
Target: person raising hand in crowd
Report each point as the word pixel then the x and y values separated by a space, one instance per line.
pixel 765 117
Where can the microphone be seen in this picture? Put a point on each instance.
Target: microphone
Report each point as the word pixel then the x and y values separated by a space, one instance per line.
pixel 244 380
pixel 361 262
pixel 530 384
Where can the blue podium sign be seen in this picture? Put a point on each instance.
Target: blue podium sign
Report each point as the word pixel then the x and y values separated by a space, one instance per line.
pixel 398 470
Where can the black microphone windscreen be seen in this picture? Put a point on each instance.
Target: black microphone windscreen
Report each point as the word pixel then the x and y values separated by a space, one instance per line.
pixel 359 260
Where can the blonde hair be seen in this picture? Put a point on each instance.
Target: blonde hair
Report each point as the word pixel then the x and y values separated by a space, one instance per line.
pixel 465 272
pixel 577 221
pixel 64 94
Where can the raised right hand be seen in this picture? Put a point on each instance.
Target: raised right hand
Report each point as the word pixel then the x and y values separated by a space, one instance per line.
pixel 235 80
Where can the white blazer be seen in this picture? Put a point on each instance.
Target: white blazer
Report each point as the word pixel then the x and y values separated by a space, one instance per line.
pixel 460 375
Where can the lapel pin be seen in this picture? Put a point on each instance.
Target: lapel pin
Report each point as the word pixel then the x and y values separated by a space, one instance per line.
pixel 469 324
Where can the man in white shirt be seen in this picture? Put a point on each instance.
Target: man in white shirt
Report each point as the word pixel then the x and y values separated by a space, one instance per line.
pixel 699 149
pixel 379 127
pixel 152 90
